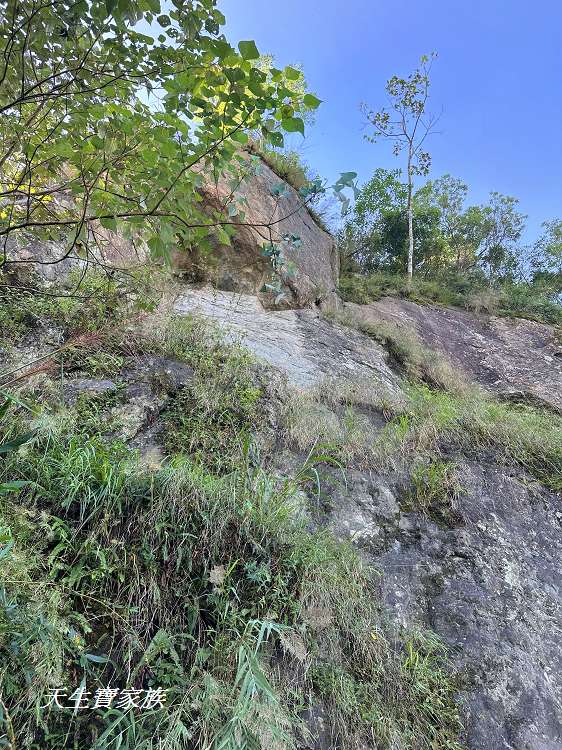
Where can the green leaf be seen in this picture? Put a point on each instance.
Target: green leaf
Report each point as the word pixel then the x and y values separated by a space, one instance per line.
pixel 97 659
pixel 278 189
pixel 6 550
pixel 109 223
pixel 292 73
pixel 223 237
pixel 6 487
pixel 276 139
pixel 347 177
pixel 240 137
pixel 312 101
pixel 248 50
pixel 14 444
pixel 222 48
pixel 235 74
pixel 293 125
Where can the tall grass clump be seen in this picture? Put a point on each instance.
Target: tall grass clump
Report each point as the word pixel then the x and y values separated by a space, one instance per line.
pixel 476 423
pixel 407 353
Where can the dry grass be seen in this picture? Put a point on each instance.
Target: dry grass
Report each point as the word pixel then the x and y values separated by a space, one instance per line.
pixel 408 353
pixel 343 415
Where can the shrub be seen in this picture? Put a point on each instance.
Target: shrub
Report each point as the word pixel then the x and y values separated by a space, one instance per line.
pixel 483 300
pixel 470 290
pixel 531 301
pixel 83 303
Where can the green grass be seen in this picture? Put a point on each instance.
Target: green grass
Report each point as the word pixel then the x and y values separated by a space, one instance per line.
pixel 81 304
pixel 213 416
pixel 286 164
pixel 422 427
pixel 419 688
pixel 435 491
pixel 523 299
pixel 474 424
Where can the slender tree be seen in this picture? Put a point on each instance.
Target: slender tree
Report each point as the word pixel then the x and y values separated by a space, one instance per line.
pixel 407 124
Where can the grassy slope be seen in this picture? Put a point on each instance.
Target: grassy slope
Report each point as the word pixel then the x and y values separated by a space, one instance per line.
pixel 201 577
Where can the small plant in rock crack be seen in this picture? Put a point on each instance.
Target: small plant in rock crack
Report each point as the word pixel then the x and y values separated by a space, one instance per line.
pixel 435 489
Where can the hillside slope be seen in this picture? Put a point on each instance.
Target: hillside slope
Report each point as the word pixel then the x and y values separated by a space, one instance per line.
pixel 313 528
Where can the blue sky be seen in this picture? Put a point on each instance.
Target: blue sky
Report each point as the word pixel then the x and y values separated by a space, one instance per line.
pixel 498 79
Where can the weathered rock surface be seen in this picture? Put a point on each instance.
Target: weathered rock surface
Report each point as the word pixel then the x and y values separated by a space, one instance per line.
pixel 490 587
pixel 517 359
pixel 269 217
pixel 43 263
pixel 300 343
pixel 74 389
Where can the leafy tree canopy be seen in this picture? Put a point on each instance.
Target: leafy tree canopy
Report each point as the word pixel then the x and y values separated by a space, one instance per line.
pixel 447 235
pixel 108 123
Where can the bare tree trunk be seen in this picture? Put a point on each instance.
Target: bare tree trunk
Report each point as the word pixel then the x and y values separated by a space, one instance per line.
pixel 410 224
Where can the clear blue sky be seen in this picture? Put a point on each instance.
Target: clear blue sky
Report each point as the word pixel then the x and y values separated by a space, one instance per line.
pixel 498 78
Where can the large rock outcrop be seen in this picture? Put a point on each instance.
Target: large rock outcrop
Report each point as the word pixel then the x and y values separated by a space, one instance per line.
pixel 273 210
pixel 300 343
pixel 490 586
pixel 516 359
pixel 307 274
pixel 488 583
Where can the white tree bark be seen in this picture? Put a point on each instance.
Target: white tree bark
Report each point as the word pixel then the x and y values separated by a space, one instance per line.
pixel 410 223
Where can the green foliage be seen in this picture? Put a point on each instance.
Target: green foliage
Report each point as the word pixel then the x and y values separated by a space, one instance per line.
pixel 421 691
pixel 375 236
pixel 85 303
pixel 191 577
pixel 85 152
pixel 533 300
pixel 546 257
pixel 447 237
pixel 288 165
pixel 474 423
pixel 406 127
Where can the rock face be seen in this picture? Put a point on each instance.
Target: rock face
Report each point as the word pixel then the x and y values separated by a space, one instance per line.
pixel 300 343
pixel 45 263
pixel 517 359
pixel 488 584
pixel 273 210
pixel 490 587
